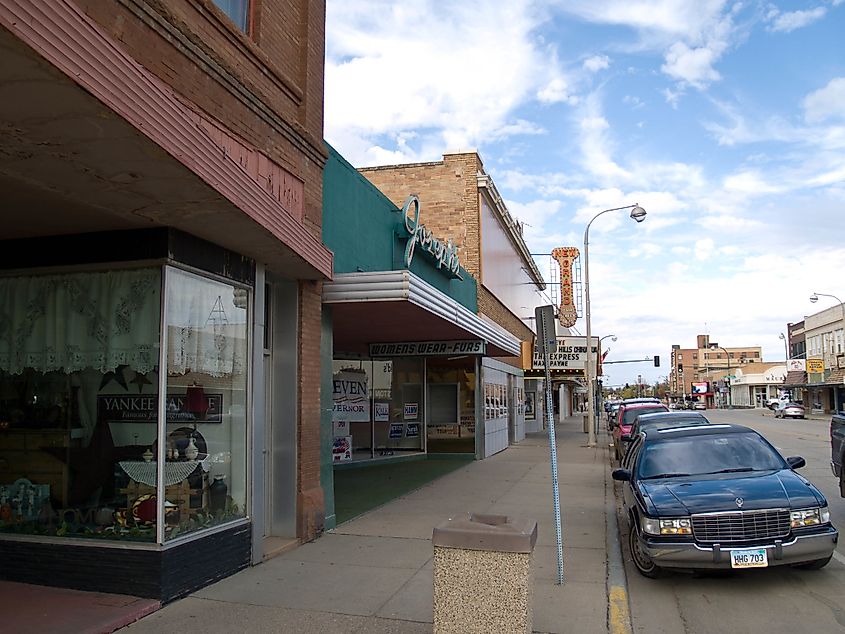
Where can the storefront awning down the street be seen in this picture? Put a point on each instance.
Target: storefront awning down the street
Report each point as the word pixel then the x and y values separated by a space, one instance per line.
pixel 391 306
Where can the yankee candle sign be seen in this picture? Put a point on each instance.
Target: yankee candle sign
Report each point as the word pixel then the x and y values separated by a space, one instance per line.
pixel 571 354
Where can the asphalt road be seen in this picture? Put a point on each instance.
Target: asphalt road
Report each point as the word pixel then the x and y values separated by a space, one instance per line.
pixel 779 599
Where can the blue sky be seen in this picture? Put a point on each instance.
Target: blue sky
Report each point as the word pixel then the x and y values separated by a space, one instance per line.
pixel 725 121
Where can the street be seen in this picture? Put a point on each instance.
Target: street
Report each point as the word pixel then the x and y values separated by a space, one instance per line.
pixel 778 599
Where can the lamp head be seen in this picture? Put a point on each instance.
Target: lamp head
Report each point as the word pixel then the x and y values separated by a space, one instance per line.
pixel 781 336
pixel 638 213
pixel 814 298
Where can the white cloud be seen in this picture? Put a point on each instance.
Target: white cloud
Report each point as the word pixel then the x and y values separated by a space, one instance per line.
pixel 556 91
pixel 826 103
pixel 692 65
pixel 597 63
pixel 704 249
pixel 634 102
pixel 791 20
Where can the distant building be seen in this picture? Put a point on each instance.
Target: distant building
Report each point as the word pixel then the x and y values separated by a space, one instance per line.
pixel 694 372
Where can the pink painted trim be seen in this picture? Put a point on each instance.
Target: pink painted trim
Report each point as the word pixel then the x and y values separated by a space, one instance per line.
pixel 66 37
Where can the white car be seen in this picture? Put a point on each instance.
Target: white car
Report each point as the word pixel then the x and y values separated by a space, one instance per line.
pixel 789 410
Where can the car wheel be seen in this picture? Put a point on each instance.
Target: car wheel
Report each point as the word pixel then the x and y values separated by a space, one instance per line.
pixel 816 564
pixel 645 566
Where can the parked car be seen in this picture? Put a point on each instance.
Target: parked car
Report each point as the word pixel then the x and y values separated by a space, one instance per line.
pixel 837 449
pixel 622 427
pixel 664 420
pixel 699 405
pixel 788 409
pixel 720 496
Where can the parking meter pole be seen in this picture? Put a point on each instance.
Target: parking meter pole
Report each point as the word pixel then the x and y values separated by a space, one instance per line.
pixel 553 447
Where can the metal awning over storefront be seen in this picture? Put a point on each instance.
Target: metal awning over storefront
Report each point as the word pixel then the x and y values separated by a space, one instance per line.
pixel 391 306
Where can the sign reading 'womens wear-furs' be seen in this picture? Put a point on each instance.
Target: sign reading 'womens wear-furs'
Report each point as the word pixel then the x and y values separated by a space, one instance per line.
pixel 350 397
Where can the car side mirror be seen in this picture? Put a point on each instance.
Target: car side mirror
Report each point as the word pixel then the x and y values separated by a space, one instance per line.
pixel 621 475
pixel 795 462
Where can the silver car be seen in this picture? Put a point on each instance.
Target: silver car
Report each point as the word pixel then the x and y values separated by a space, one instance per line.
pixel 789 410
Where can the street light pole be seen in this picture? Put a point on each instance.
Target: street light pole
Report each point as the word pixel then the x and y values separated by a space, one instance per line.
pixel 785 345
pixel 728 375
pixel 638 214
pixel 815 297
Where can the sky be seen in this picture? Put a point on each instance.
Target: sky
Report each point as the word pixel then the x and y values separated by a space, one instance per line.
pixel 724 120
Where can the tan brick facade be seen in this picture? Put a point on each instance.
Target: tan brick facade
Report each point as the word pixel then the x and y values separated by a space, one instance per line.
pixel 450 207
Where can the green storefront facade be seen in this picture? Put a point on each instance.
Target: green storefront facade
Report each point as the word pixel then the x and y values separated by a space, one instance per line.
pixel 402 341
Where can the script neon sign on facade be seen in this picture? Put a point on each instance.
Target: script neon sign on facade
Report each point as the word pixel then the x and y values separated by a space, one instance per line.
pixel 444 254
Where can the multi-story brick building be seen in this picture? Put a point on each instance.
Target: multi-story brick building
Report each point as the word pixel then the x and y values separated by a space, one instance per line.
pixel 695 371
pixel 460 203
pixel 160 295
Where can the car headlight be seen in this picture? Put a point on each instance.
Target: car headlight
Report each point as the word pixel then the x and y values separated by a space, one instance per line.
pixel 674 526
pixel 809 517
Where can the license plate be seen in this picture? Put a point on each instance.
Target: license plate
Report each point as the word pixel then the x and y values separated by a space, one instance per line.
pixel 752 558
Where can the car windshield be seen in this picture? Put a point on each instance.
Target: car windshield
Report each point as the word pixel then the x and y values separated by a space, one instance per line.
pixel 674 421
pixel 630 414
pixel 705 454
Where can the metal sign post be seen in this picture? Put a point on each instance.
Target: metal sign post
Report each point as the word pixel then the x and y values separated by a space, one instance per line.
pixel 547 342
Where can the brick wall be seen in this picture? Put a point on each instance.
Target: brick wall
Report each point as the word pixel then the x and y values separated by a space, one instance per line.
pixel 266 87
pixel 449 208
pixel 448 195
pixel 310 503
pixel 489 305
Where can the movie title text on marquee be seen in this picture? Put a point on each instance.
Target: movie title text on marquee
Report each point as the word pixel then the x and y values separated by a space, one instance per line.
pixel 571 354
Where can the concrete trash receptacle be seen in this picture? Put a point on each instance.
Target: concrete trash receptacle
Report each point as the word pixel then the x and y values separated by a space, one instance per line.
pixel 586 424
pixel 483 574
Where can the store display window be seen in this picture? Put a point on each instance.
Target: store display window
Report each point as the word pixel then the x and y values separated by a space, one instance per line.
pixel 451 399
pixel 80 414
pixel 378 408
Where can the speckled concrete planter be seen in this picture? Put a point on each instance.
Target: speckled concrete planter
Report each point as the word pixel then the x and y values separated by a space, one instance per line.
pixel 483 574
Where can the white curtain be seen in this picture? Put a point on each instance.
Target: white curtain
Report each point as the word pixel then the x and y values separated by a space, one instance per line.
pixel 206 329
pixel 74 321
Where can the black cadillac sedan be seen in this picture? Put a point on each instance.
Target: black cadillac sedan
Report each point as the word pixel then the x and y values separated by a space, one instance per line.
pixel 720 496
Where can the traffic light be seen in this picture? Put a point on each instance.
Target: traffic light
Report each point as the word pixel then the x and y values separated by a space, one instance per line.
pixel 656 361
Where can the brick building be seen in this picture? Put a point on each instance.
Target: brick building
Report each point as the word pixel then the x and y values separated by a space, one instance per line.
pixel 694 372
pixel 460 203
pixel 162 269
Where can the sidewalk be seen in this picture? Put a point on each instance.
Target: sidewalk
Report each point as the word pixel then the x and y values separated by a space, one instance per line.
pixel 374 573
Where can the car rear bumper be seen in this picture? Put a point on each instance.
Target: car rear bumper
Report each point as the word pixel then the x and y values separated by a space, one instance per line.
pixel 799 549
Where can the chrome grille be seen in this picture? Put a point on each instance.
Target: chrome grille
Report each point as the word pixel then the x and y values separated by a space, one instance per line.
pixel 740 526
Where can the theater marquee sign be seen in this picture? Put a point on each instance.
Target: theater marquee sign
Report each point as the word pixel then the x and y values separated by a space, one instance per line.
pixel 571 354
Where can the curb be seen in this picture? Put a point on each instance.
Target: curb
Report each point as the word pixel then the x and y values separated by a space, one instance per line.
pixel 618 610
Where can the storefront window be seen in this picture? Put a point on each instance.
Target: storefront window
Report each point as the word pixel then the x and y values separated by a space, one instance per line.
pixel 378 408
pixel 79 406
pixel 207 361
pixel 451 394
pixel 78 396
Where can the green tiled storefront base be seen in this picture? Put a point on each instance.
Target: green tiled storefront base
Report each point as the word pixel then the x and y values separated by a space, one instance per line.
pixel 367 486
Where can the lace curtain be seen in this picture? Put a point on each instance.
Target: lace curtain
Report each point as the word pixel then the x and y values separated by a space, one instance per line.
pixel 206 329
pixel 69 322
